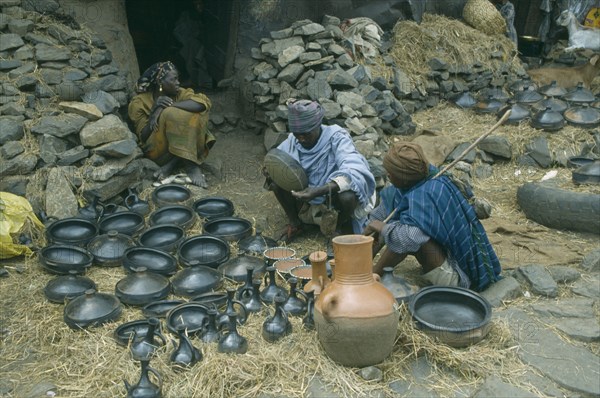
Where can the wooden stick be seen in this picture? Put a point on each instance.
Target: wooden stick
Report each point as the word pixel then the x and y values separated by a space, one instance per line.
pixel 474 144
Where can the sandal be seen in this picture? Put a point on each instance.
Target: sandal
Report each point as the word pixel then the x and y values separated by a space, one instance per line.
pixel 291 232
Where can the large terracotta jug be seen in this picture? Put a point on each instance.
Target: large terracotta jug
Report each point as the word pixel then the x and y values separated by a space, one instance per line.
pixel 355 315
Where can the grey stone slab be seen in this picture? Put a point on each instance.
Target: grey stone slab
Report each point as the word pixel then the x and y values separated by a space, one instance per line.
pixel 60 126
pixel 587 287
pixel 403 388
pixel 60 199
pixel 9 41
pixel 591 261
pixel 541 383
pixel 11 129
pixel 572 367
pixel 493 387
pixel 540 280
pixel 563 274
pixel 371 373
pixel 19 165
pixel 496 145
pixel 568 308
pixel 318 389
pixel 108 129
pixel 582 329
pixel 45 53
pixel 73 155
pixel 11 149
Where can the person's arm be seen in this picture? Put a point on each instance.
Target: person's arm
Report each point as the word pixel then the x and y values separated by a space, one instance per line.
pixel 310 193
pixel 190 106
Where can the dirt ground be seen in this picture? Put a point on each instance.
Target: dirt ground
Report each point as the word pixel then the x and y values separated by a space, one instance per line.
pixel 38 353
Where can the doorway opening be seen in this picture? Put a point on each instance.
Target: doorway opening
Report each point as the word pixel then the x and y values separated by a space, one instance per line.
pixel 198 36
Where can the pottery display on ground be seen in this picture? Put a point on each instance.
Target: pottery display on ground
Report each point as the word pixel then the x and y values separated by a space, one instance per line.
pixel 356 316
pixel 185 354
pixel 145 388
pixel 278 325
pixel 91 309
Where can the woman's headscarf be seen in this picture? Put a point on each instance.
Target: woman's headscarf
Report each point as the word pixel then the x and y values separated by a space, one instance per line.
pixel 153 75
pixel 407 160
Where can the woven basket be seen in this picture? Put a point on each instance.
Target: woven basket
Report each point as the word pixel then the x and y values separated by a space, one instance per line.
pixel 483 16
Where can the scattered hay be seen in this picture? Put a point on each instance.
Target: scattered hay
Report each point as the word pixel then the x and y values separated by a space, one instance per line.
pixel 448 39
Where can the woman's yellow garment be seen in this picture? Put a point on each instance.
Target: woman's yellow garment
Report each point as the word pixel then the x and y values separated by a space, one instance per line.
pixel 180 133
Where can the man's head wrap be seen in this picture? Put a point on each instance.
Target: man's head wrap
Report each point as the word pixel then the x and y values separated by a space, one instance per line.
pixel 304 115
pixel 407 161
pixel 153 75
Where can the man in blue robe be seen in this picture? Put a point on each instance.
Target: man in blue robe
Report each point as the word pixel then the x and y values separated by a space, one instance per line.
pixel 431 220
pixel 338 175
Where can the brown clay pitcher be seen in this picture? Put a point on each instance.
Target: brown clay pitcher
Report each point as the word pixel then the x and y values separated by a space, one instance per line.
pixel 355 315
pixel 319 273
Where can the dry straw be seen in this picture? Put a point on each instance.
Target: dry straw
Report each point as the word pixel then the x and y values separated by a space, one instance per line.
pixel 483 16
pixel 414 45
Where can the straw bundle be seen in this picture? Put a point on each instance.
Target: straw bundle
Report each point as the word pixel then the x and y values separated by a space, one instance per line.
pixel 483 16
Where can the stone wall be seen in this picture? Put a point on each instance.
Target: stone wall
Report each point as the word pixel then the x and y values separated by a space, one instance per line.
pixel 60 128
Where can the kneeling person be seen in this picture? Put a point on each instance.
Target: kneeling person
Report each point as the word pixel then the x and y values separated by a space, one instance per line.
pixel 433 221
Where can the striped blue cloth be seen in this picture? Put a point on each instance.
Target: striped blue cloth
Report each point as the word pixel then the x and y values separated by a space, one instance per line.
pixel 441 211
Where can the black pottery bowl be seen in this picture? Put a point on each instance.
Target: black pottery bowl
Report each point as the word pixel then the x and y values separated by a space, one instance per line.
pixel 160 308
pixel 230 229
pixel 154 260
pixel 456 316
pixel 64 259
pixel 191 282
pixel 180 215
pixel 211 299
pixel 203 250
pixel 163 237
pixel 124 222
pixel 91 309
pixel 71 231
pixel 236 268
pixel 67 287
pixel 213 207
pixel 125 332
pixel 171 194
pixel 191 315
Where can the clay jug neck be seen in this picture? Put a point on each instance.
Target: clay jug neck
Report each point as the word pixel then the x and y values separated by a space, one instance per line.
pixel 353 258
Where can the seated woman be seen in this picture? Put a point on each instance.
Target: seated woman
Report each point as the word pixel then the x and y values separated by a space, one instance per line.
pixel 171 122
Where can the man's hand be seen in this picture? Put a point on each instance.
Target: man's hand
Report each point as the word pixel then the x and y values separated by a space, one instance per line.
pixel 374 228
pixel 307 194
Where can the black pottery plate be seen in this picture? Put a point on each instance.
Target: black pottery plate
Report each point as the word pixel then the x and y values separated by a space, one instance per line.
pixel 64 259
pixel 163 237
pixel 210 251
pixel 457 316
pixel 170 194
pixel 190 315
pixel 285 171
pixel 192 281
pixel 154 260
pixel 71 231
pixel 124 222
pixel 228 228
pixel 213 207
pixel 180 215
pixel 160 308
pixel 127 331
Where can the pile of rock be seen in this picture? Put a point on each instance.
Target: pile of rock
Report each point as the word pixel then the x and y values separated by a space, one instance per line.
pixel 315 61
pixel 308 60
pixel 59 101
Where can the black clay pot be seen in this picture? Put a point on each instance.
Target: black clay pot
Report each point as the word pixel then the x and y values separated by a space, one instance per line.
pixel 190 282
pixel 154 260
pixel 91 309
pixel 141 287
pixel 171 194
pixel 109 249
pixel 230 229
pixel 182 216
pixel 213 207
pixel 190 315
pixel 124 222
pixel 63 259
pixel 67 287
pixel 256 245
pixel 236 268
pixel 71 231
pixel 166 237
pixel 399 287
pixel 206 250
pixel 458 317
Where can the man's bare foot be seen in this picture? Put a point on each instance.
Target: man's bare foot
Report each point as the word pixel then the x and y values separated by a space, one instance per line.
pixel 193 171
pixel 166 169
